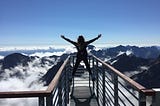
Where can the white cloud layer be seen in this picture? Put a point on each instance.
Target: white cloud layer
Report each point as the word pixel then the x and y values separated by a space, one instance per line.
pixel 28 80
pixel 1 57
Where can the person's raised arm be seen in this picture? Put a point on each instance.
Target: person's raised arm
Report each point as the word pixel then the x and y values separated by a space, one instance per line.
pixel 92 40
pixel 74 43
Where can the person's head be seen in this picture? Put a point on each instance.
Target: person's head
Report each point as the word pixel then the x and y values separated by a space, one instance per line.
pixel 80 39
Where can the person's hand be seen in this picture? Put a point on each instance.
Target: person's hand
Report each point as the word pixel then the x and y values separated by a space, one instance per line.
pixel 99 35
pixel 62 36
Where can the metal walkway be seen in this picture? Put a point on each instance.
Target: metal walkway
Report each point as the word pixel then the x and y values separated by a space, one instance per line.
pixel 83 97
pixel 82 90
pixel 111 88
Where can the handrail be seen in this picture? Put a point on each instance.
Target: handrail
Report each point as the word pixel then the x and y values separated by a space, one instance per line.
pixel 147 92
pixel 23 94
pixel 55 80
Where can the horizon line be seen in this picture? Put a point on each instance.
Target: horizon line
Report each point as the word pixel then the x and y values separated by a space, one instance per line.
pixel 64 46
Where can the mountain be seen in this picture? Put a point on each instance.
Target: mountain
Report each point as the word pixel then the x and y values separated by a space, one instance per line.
pixel 19 66
pixel 47 78
pixel 158 47
pixel 140 63
pixel 128 63
pixel 14 59
pixel 144 52
pixel 150 77
pixel 126 59
pixel 23 67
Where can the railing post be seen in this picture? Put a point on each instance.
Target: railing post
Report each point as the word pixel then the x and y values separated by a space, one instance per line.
pixel 60 93
pixel 89 58
pixel 93 72
pixel 104 91
pixel 115 89
pixel 97 71
pixel 68 83
pixel 89 74
pixel 49 101
pixel 142 99
pixel 156 98
pixel 65 88
pixel 41 101
pixel 93 62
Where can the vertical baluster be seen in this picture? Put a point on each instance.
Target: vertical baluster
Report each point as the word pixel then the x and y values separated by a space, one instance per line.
pixel 69 70
pixel 49 101
pixel 97 72
pixel 60 92
pixel 142 99
pixel 66 87
pixel 89 74
pixel 93 71
pixel 104 91
pixel 115 89
pixel 66 84
pixel 73 76
pixel 41 101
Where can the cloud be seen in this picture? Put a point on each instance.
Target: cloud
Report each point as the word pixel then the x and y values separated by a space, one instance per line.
pixel 15 48
pixel 1 57
pixel 25 78
pixel 19 102
pixel 44 54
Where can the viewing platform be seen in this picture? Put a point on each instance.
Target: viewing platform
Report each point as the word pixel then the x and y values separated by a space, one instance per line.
pixel 110 88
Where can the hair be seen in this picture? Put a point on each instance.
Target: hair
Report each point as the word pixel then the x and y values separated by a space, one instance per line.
pixel 80 39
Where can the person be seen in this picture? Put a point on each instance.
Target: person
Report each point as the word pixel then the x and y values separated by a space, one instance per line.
pixel 81 46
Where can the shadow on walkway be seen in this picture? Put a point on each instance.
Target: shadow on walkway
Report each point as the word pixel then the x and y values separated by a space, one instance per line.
pixel 82 102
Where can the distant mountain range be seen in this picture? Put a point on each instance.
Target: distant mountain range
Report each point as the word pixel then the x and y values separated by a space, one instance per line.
pixel 128 63
pixel 150 77
pixel 143 52
pixel 140 63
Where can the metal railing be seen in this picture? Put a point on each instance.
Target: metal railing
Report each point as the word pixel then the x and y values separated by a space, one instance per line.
pixel 111 87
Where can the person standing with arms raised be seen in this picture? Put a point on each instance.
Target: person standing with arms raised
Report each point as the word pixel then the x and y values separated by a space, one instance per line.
pixel 81 46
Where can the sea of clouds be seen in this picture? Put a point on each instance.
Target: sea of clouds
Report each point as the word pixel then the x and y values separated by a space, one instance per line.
pixel 30 74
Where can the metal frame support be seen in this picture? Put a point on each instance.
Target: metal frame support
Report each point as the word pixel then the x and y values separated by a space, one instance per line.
pixel 66 87
pixel 156 98
pixel 97 80
pixel 60 93
pixel 115 90
pixel 93 72
pixel 41 101
pixel 89 74
pixel 104 91
pixel 49 101
pixel 142 99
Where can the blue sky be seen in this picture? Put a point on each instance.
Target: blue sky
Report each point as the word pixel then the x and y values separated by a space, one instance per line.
pixel 38 22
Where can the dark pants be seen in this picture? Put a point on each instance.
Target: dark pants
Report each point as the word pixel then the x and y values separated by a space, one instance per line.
pixel 85 60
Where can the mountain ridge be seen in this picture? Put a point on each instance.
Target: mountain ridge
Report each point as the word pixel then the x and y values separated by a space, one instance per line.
pixel 124 58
